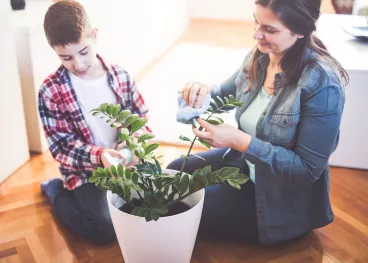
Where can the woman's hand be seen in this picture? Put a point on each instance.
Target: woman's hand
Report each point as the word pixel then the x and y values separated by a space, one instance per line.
pixel 223 136
pixel 195 92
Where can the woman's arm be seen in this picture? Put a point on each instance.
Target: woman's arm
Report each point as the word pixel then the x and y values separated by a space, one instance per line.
pixel 317 136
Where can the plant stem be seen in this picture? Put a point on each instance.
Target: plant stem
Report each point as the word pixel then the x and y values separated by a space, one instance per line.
pixel 140 196
pixel 191 146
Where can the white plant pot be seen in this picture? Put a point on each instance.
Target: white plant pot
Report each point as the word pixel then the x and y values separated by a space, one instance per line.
pixel 168 240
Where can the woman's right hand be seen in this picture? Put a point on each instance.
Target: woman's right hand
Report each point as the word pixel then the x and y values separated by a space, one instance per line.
pixel 195 92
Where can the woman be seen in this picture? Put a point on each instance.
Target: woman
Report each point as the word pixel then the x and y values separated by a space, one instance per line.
pixel 293 95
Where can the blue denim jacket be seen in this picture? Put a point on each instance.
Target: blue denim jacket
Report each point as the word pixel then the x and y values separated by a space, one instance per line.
pixel 295 137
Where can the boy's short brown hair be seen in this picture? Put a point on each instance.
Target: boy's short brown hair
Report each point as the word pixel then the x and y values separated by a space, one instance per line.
pixel 66 22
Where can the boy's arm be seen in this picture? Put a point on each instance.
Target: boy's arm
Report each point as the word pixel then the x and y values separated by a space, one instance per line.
pixel 65 146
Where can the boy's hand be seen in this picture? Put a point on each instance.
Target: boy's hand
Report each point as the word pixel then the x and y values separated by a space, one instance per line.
pixel 120 146
pixel 113 153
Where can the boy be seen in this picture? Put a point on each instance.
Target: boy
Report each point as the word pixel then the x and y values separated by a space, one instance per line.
pixel 78 140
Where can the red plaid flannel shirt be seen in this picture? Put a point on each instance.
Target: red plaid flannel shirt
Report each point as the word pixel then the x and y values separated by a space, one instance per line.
pixel 70 141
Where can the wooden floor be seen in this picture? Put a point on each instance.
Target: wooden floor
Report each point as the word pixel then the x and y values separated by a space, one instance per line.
pixel 30 233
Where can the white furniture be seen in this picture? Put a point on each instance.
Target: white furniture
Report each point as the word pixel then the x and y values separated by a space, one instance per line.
pixel 13 137
pixel 36 61
pixel 352 150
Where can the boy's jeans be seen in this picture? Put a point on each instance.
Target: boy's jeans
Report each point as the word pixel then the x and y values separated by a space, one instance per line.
pixel 86 212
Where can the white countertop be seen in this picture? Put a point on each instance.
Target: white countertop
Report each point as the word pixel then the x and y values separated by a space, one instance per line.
pixel 348 50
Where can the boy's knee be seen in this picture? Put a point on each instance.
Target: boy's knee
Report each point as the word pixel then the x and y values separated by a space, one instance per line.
pixel 102 235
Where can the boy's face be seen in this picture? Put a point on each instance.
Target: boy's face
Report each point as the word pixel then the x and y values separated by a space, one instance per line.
pixel 79 58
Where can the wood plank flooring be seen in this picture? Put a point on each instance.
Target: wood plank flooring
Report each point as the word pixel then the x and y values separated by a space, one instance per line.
pixel 30 233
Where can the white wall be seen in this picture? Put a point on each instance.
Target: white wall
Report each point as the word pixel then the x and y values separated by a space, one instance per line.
pixel 133 33
pixel 13 136
pixel 221 9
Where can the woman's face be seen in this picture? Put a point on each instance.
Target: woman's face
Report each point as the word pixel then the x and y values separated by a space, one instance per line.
pixel 271 33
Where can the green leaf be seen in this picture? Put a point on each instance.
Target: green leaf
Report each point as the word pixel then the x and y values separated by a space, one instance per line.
pixel 136 211
pixel 123 134
pixel 166 190
pixel 131 143
pixel 128 173
pixel 109 108
pixel 142 212
pixel 184 138
pixel 199 179
pixel 205 170
pixel 220 100
pixel 205 143
pixel 139 152
pixel 147 216
pixel 228 172
pixel 112 180
pixel 154 215
pixel 215 103
pixel 158 167
pixel 162 209
pixel 103 181
pixel 218 119
pixel 171 196
pixel 116 110
pixel 127 192
pixel 119 181
pixel 213 122
pixel 95 113
pixel 211 178
pixel 132 118
pixel 193 186
pixel 113 170
pixel 227 100
pixel 157 183
pixel 239 181
pixel 149 199
pixel 184 183
pixel 234 184
pixel 101 171
pixel 107 171
pixel 152 147
pixel 145 137
pixel 123 114
pixel 120 170
pixel 103 107
pixel 143 187
pixel 134 178
pixel 115 124
pixel 93 179
pixel 97 181
pixel 138 124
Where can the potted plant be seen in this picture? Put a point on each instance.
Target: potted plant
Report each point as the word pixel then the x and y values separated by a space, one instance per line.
pixel 156 212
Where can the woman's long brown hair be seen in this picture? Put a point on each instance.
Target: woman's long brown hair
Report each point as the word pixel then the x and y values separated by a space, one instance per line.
pixel 300 17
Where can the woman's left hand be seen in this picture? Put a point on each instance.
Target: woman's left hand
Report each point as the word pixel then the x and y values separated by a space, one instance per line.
pixel 223 136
